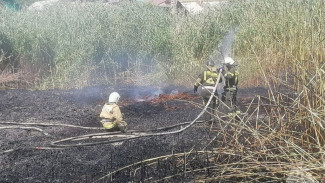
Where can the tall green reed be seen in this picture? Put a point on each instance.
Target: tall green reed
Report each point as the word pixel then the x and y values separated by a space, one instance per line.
pixel 74 45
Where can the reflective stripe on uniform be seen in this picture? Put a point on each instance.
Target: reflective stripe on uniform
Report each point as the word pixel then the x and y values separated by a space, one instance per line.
pixel 229 73
pixel 109 125
pixel 236 77
pixel 208 87
pixel 231 89
pixel 106 120
pixel 209 77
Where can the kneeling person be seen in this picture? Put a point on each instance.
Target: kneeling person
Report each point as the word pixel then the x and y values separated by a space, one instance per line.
pixel 111 115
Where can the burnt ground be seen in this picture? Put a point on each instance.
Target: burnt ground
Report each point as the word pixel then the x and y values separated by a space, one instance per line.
pixel 25 163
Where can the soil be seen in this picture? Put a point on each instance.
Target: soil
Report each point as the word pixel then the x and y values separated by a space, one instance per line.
pixel 28 160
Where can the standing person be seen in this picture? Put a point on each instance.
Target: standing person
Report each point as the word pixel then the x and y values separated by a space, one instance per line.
pixel 111 115
pixel 229 96
pixel 207 81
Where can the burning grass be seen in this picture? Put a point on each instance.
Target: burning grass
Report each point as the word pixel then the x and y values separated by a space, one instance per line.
pixel 178 96
pixel 274 141
pixel 161 98
pixel 267 144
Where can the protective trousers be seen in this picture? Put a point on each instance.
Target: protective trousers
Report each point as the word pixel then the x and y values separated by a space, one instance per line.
pixel 229 97
pixel 205 94
pixel 114 126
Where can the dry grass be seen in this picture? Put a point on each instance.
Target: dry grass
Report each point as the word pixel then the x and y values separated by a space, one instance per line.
pixel 8 77
pixel 268 144
pixel 18 79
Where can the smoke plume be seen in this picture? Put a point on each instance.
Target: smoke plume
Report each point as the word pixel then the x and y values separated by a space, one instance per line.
pixel 225 46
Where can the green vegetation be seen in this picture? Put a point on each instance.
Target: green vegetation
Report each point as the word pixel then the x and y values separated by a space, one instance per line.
pixel 75 46
pixel 283 36
pixel 26 2
pixel 10 4
pixel 96 44
pixel 278 43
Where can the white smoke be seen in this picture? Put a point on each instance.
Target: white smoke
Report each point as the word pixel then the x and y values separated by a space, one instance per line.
pixel 226 43
pixel 147 93
pixel 225 48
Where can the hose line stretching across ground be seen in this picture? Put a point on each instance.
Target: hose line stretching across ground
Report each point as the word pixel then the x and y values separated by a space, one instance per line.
pixel 135 136
pixel 82 137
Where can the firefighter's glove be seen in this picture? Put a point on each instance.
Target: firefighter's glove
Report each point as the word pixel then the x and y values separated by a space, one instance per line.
pixel 195 88
pixel 224 68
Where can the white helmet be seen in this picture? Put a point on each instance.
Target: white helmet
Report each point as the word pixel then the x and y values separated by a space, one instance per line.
pixel 114 97
pixel 229 60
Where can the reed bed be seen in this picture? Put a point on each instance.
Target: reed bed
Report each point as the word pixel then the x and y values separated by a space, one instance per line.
pixel 267 144
pixel 77 45
pixel 279 44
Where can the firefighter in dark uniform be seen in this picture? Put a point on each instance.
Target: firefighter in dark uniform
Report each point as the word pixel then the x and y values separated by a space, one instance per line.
pixel 207 81
pixel 229 96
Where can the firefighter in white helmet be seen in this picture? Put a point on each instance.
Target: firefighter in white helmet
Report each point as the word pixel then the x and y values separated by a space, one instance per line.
pixel 111 116
pixel 230 74
pixel 207 81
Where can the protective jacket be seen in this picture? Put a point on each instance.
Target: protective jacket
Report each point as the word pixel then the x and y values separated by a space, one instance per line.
pixel 208 80
pixel 230 74
pixel 208 77
pixel 111 116
pixel 229 95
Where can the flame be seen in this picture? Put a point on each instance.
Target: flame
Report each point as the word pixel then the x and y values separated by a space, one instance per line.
pixel 161 98
pixel 178 96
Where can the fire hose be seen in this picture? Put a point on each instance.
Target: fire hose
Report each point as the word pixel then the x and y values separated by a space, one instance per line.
pixel 132 136
pixel 82 137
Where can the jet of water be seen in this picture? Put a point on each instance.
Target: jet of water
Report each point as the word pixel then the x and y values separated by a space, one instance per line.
pixel 224 49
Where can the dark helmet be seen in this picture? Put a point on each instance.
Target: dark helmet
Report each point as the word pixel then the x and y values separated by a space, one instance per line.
pixel 210 63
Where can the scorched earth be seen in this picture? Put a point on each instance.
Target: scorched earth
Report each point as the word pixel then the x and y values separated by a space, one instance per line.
pixel 32 123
